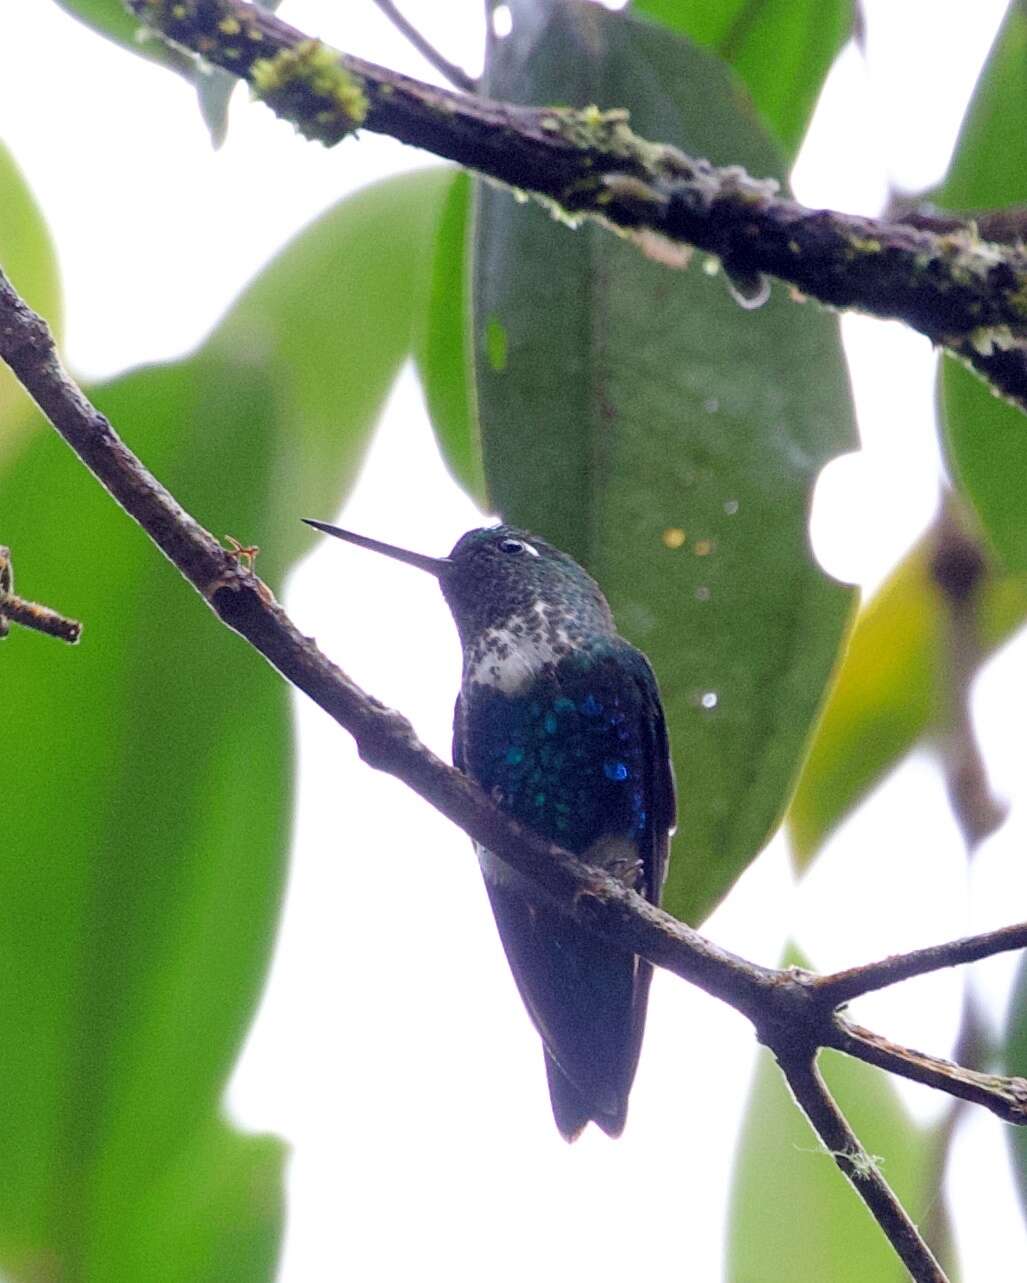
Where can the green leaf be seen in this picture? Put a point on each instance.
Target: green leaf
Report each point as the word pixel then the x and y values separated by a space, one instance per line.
pixel 987 438
pixel 888 692
pixel 444 343
pixel 782 49
pixel 332 320
pixel 986 442
pixel 215 1216
pixel 112 19
pixel 1015 1062
pixel 643 421
pixel 148 770
pixel 793 1217
pixel 147 835
pixel 987 166
pixel 214 87
pixel 28 259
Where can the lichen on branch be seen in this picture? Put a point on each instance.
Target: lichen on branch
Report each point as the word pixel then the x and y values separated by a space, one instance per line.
pixel 950 283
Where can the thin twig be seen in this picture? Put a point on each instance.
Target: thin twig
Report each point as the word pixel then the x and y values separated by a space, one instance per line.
pixel 789 1008
pixel 454 74
pixel 29 614
pixel 963 292
pixel 862 1169
pixel 1006 1097
pixel 40 619
pixel 958 570
pixel 842 986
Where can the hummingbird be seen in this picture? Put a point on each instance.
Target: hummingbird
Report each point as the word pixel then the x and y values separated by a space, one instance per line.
pixel 559 719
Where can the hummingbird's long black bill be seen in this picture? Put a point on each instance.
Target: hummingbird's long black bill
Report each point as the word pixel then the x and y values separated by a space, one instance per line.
pixel 434 565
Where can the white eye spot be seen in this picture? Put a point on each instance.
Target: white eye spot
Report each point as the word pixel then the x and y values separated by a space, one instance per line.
pixel 515 546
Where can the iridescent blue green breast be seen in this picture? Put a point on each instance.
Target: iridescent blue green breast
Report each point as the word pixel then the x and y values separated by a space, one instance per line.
pixel 565 755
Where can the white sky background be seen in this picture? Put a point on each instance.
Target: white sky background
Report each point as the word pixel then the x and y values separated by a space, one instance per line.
pixel 391 1048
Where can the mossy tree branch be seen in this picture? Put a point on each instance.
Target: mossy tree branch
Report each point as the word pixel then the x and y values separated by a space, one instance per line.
pixel 961 291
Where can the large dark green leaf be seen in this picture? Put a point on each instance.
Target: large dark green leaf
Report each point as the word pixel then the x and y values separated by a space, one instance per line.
pixel 27 257
pixel 147 772
pixel 986 437
pixel 888 692
pixel 666 437
pixel 782 49
pixel 794 1218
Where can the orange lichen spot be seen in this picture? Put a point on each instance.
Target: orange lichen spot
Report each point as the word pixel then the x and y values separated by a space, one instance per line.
pixel 703 547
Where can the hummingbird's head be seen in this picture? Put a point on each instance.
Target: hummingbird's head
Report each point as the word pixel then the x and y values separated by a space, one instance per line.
pixel 498 572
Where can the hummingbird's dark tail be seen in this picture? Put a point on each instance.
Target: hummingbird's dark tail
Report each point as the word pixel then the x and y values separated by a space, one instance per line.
pixel 571 1111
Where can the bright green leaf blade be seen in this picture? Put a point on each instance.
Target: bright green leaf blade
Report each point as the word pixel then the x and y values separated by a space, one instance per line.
pixel 215 1216
pixel 986 438
pixel 28 258
pixel 887 693
pixel 794 1218
pixel 332 320
pixel 143 868
pixel 667 438
pixel 986 442
pixel 782 49
pixel 444 343
pixel 987 166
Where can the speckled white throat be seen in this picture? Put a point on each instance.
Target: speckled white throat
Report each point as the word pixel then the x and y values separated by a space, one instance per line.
pixel 511 656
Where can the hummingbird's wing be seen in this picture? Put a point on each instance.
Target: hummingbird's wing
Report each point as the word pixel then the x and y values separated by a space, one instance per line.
pixel 600 783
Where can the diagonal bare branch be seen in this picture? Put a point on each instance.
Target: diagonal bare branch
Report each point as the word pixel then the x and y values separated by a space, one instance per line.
pixel 842 986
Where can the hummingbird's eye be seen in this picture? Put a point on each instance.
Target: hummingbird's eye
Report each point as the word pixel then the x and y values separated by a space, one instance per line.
pixel 515 546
